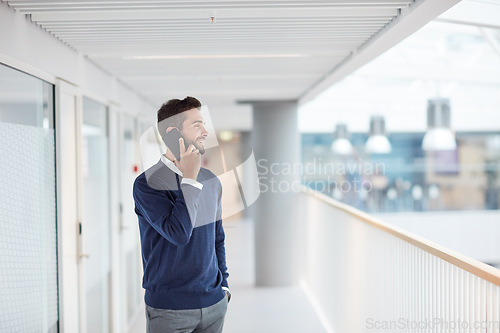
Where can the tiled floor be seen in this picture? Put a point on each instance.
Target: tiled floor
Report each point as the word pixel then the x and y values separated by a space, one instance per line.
pixel 256 309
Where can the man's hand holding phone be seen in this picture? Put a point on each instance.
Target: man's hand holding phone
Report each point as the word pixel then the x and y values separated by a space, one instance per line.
pixel 190 160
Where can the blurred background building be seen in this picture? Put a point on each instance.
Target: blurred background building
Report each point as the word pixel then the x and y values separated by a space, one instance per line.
pixel 454 60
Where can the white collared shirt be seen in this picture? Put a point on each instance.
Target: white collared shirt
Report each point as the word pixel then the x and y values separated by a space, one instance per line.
pixel 175 169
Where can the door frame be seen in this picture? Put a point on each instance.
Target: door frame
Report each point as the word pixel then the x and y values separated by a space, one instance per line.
pixel 68 209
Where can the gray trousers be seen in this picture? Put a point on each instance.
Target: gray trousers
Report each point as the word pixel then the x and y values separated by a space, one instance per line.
pixel 204 320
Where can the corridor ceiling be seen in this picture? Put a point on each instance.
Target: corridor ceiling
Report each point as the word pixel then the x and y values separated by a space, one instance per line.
pixel 230 50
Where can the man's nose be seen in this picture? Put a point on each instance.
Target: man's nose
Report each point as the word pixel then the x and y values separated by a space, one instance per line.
pixel 204 132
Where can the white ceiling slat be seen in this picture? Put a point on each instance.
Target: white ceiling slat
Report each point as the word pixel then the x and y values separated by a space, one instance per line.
pixel 210 2
pixel 98 8
pixel 162 30
pixel 374 27
pixel 205 36
pixel 155 5
pixel 221 36
pixel 226 21
pixel 204 14
pixel 141 6
pixel 208 32
pixel 261 26
pixel 205 26
pixel 239 20
pixel 143 43
pixel 140 40
pixel 168 44
pixel 218 27
pixel 232 36
pixel 173 46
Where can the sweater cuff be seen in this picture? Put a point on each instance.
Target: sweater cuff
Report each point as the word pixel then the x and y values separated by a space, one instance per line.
pixel 229 292
pixel 192 182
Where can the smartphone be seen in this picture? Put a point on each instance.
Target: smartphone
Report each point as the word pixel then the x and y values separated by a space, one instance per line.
pixel 172 142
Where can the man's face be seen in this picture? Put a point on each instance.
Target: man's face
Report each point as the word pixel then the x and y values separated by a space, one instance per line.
pixel 193 129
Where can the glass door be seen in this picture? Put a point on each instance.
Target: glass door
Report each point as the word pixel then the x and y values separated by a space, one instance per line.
pixel 96 215
pixel 131 255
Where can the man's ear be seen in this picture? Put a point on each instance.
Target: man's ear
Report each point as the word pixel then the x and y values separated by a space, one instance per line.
pixel 171 128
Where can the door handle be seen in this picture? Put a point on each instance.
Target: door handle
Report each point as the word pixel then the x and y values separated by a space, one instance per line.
pixel 79 243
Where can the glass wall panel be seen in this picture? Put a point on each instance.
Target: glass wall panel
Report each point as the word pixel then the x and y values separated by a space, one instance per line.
pixel 130 234
pixel 28 232
pixel 408 178
pixel 96 220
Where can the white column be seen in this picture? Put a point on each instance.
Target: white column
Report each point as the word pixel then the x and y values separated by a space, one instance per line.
pixel 276 144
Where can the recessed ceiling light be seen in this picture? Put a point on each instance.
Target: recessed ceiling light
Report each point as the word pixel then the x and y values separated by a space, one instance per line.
pixel 217 56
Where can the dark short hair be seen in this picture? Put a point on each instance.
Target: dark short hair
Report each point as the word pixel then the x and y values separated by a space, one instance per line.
pixel 172 108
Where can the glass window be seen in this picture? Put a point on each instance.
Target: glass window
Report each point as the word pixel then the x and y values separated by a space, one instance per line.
pixel 129 231
pixel 458 62
pixel 407 178
pixel 28 234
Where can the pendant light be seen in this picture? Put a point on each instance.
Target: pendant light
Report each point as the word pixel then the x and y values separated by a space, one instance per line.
pixel 439 135
pixel 341 144
pixel 378 143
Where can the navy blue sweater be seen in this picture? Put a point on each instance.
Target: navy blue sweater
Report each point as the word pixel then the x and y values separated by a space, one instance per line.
pixel 184 263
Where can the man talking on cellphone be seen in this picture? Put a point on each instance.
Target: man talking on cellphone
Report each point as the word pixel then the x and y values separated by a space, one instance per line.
pixel 178 205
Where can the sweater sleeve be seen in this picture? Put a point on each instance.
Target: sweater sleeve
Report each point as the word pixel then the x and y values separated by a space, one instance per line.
pixel 173 218
pixel 219 242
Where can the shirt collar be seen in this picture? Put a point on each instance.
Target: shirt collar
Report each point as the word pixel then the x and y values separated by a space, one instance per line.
pixel 171 165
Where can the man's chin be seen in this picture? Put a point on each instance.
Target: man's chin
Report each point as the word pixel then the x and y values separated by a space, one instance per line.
pixel 200 148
